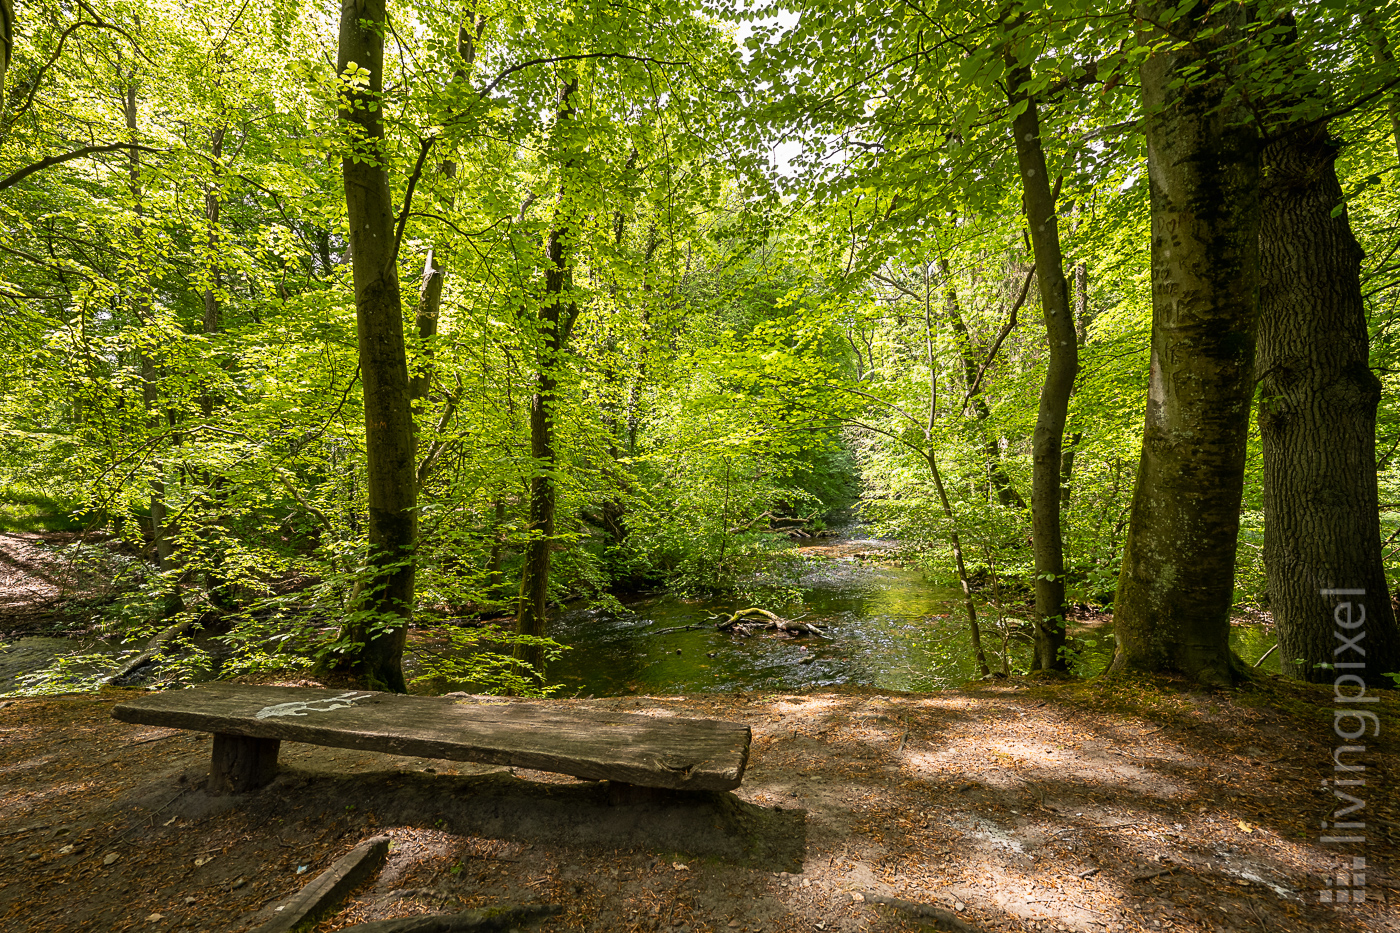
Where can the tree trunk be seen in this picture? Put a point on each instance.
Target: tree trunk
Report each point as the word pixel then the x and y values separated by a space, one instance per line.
pixel 215 583
pixel 930 455
pixel 1061 367
pixel 1317 416
pixel 1081 303
pixel 969 605
pixel 373 650
pixel 1172 610
pixel 7 42
pixel 556 319
pixel 1081 334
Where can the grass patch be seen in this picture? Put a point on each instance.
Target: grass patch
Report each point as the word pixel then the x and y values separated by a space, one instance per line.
pixel 28 508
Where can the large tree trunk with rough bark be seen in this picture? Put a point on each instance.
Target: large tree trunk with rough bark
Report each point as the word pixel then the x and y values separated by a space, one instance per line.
pixel 1172 611
pixel 1062 366
pixel 555 320
pixel 1317 417
pixel 373 644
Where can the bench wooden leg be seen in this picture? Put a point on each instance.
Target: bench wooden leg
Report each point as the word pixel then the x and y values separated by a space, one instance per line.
pixel 241 763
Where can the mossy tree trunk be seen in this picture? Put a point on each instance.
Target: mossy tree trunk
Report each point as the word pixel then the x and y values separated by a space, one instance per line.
pixel 373 644
pixel 1062 365
pixel 1175 590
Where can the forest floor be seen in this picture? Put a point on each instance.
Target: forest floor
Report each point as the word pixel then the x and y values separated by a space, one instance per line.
pixel 1112 805
pixel 1106 806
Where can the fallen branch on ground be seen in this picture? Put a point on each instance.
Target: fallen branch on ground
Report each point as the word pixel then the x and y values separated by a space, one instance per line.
pixel 153 647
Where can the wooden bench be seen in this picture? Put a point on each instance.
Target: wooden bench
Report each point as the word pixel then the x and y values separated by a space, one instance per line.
pixel 250 723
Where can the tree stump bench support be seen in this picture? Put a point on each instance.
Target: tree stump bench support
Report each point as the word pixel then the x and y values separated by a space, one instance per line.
pixel 250 723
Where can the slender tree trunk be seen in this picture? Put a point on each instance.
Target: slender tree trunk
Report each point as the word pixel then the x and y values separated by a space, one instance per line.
pixel 215 583
pixel 635 384
pixel 213 314
pixel 1317 416
pixel 1176 587
pixel 1061 367
pixel 427 312
pixel 493 560
pixel 7 42
pixel 555 320
pixel 974 629
pixel 430 289
pixel 1081 333
pixel 373 645
pixel 1081 303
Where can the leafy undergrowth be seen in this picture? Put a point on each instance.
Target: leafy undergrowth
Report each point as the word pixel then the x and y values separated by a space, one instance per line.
pixel 1104 806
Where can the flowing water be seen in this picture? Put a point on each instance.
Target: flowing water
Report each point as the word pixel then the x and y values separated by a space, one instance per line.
pixel 884 625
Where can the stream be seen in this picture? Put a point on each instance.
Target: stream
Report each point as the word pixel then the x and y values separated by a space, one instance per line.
pixel 885 626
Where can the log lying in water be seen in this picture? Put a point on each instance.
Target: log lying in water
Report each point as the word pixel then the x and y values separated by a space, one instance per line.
pixel 746 621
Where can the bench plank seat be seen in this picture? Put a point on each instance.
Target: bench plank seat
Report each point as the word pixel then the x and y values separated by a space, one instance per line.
pixel 663 752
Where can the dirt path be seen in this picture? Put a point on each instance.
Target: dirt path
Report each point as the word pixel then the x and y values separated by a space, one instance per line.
pixel 38 582
pixel 1085 807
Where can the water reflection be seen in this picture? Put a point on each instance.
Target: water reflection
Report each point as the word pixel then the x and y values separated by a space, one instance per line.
pixel 886 626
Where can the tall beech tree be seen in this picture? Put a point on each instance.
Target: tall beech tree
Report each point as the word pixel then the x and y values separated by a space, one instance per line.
pixel 1318 396
pixel 372 644
pixel 1176 588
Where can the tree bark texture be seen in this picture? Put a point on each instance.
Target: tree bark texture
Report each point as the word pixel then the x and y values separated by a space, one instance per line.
pixel 1317 416
pixel 375 645
pixel 1172 610
pixel 556 318
pixel 1061 368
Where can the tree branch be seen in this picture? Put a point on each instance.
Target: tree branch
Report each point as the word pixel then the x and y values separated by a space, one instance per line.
pixel 569 58
pixel 996 345
pixel 16 177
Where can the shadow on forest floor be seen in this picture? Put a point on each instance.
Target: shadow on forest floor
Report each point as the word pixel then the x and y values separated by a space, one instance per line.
pixel 1101 806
